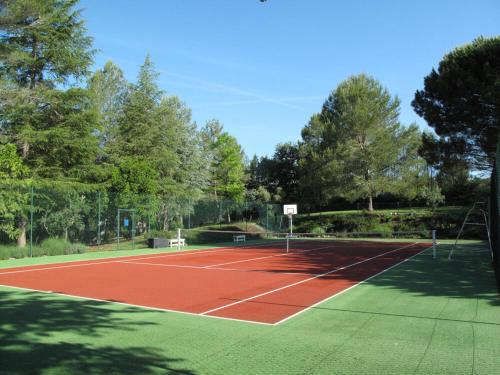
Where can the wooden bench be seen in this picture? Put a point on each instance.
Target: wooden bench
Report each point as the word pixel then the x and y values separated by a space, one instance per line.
pixel 239 238
pixel 176 242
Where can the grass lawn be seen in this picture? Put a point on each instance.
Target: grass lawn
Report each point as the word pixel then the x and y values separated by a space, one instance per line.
pixel 420 211
pixel 424 316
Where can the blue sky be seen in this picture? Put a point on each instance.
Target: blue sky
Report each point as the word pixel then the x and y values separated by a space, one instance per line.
pixel 263 69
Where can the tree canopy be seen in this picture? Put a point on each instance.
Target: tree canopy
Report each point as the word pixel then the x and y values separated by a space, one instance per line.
pixel 357 148
pixel 461 101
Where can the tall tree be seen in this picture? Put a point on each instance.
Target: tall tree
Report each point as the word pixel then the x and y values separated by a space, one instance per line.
pixel 461 101
pixel 156 130
pixel 45 43
pixel 43 47
pixel 137 132
pixel 357 147
pixel 13 196
pixel 109 90
pixel 227 167
pixel 279 174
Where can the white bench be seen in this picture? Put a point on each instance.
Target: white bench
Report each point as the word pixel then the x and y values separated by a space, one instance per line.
pixel 239 238
pixel 176 242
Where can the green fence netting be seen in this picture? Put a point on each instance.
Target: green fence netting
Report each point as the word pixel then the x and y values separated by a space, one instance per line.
pixel 495 214
pixel 38 219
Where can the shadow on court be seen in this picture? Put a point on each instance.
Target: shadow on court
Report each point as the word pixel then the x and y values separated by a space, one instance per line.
pixel 468 275
pixel 40 333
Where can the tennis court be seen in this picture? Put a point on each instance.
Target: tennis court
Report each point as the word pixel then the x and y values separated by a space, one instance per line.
pixel 259 282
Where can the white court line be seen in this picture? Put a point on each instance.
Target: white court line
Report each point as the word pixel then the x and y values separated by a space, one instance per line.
pixel 304 281
pixel 270 256
pixel 120 259
pixel 347 289
pixel 214 316
pixel 215 269
pixel 134 305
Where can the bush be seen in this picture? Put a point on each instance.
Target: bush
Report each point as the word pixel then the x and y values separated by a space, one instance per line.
pixel 54 246
pixel 49 247
pixel 317 230
pixel 9 251
pixel 162 234
pixel 75 248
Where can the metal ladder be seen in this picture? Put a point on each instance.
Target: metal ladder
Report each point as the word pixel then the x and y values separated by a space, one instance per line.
pixel 476 209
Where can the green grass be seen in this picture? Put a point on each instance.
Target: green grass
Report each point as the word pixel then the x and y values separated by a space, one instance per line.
pixel 423 317
pixel 420 211
pixel 446 220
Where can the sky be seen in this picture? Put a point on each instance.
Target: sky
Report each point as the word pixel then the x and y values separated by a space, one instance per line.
pixel 263 69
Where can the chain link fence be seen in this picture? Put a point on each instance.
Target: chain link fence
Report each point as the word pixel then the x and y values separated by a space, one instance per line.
pixel 85 219
pixel 495 215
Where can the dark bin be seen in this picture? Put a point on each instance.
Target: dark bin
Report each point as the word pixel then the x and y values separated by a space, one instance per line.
pixel 154 243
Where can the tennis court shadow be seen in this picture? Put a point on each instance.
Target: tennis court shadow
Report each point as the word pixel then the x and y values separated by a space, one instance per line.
pixel 40 333
pixel 467 275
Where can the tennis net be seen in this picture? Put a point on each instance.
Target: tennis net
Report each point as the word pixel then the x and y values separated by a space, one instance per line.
pixel 299 241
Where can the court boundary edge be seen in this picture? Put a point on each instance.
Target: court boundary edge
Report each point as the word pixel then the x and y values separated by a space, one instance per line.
pixel 351 287
pixel 139 307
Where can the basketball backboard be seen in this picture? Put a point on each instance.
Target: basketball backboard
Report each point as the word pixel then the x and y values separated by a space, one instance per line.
pixel 290 209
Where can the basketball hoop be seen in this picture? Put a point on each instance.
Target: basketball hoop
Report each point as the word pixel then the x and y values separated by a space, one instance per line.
pixel 289 210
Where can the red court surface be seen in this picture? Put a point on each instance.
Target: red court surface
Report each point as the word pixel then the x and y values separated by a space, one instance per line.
pixel 259 283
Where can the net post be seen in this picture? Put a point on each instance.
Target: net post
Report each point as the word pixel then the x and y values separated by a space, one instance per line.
pixel 434 243
pixel 178 239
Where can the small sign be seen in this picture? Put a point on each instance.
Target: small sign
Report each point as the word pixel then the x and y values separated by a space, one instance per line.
pixel 125 222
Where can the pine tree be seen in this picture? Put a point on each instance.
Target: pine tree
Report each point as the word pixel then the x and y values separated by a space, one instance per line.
pixel 43 48
pixel 357 147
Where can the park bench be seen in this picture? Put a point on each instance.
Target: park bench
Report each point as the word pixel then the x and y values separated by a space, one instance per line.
pixel 176 242
pixel 239 238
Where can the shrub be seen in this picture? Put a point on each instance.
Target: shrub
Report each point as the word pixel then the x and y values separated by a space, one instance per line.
pixel 53 246
pixel 162 234
pixel 50 246
pixel 10 251
pixel 317 230
pixel 75 248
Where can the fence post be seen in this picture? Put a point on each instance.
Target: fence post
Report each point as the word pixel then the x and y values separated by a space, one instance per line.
pixel 31 222
pixel 99 220
pixel 149 215
pixel 118 232
pixel 267 217
pixel 434 243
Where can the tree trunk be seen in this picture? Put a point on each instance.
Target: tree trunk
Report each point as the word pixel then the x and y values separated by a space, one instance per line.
pixel 370 203
pixel 165 219
pixel 25 147
pixel 21 239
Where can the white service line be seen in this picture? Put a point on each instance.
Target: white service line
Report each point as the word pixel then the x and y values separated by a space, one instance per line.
pixel 134 305
pixel 347 289
pixel 80 263
pixel 304 281
pixel 270 256
pixel 215 269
